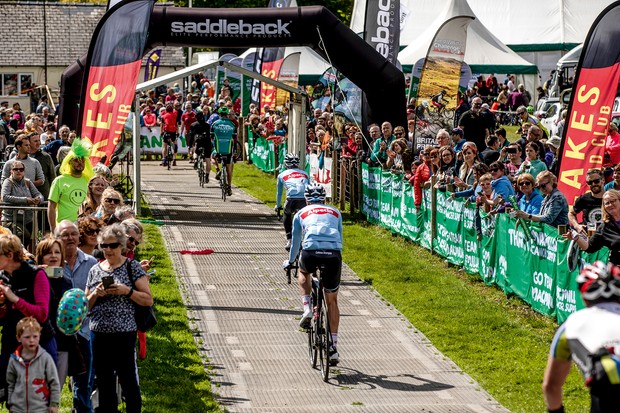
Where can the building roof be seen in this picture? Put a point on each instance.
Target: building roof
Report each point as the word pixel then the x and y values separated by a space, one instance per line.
pixel 69 31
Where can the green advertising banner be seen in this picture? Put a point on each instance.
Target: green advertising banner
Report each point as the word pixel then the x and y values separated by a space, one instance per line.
pixel 262 154
pixel 533 268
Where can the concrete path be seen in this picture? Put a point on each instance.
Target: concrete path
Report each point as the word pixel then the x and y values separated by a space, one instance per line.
pixel 247 317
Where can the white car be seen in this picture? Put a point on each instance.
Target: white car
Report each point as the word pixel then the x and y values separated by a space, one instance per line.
pixel 551 117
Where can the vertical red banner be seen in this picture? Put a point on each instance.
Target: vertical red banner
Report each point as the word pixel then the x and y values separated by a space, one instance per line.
pixel 272 61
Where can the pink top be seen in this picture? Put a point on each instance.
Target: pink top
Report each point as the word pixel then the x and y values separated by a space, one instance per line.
pixel 40 308
pixel 612 146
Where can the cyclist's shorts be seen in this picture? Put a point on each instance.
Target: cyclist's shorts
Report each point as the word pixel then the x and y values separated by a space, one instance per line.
pixel 204 144
pixel 331 266
pixel 170 137
pixel 225 159
pixel 292 205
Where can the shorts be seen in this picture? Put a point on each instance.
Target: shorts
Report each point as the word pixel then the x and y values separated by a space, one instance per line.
pixel 169 137
pixel 330 262
pixel 292 205
pixel 225 159
pixel 205 145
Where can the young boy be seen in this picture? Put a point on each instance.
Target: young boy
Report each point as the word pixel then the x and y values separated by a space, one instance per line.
pixel 31 375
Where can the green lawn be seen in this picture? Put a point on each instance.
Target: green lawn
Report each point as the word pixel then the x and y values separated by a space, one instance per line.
pixel 499 341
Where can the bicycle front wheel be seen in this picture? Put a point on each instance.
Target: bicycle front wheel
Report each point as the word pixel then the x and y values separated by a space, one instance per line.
pixel 325 339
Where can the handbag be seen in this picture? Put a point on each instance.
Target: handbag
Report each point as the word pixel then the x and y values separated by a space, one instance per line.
pixel 145 315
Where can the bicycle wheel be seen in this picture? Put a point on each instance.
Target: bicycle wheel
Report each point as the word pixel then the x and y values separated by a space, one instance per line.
pixel 224 182
pixel 169 157
pixel 324 340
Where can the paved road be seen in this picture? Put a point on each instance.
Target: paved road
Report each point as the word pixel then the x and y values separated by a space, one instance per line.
pixel 247 317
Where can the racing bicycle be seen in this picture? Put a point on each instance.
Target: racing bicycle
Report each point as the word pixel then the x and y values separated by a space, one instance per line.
pixel 224 181
pixel 202 172
pixel 169 156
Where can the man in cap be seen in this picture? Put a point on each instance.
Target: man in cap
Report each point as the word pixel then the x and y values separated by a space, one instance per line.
pixel 474 125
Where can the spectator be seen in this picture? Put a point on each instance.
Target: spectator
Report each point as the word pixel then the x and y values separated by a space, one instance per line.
pixel 458 140
pixel 501 184
pixel 612 144
pixel 562 122
pixel 47 165
pixel 380 145
pixel 110 200
pixel 33 171
pixel 475 126
pixel 551 157
pixel 112 320
pixel 353 146
pixel 513 153
pixel 466 176
pixel 422 174
pixel 503 141
pixel 75 270
pixel 49 135
pixel 443 138
pixel 615 184
pixel 490 154
pixel 150 120
pixel 31 376
pixel 532 165
pixel 531 200
pixel 69 190
pixel 89 228
pixel 445 175
pixel 554 207
pixel 25 294
pixel 19 191
pixel 470 193
pixel 122 213
pixel 399 156
pixel 608 232
pixel 96 186
pixel 590 203
pixel 485 199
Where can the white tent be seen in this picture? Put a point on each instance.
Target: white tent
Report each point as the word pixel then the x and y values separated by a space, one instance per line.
pixel 311 64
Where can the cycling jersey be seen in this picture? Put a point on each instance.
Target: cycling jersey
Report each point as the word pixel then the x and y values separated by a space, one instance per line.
pixel 586 333
pixel 295 181
pixel 224 132
pixel 316 227
pixel 169 122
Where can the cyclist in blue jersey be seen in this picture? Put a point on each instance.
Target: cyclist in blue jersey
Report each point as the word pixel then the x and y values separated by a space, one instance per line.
pixel 591 337
pixel 295 181
pixel 224 133
pixel 317 230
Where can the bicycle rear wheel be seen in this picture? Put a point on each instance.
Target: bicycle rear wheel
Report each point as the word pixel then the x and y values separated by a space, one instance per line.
pixel 324 340
pixel 169 156
pixel 224 182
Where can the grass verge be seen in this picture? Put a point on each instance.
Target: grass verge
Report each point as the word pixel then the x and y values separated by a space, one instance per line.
pixel 498 340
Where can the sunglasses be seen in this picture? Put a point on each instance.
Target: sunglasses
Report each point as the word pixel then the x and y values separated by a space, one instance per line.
pixel 493 169
pixel 18 169
pixel 135 241
pixel 594 182
pixel 478 105
pixel 398 133
pixel 111 245
pixel 543 184
pixel 525 183
pixel 91 231
pixel 433 156
pixel 113 200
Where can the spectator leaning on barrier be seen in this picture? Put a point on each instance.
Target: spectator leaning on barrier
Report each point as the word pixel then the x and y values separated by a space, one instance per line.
pixel 381 144
pixel 554 207
pixel 466 176
pixel 501 184
pixel 422 174
pixel 590 203
pixel 531 200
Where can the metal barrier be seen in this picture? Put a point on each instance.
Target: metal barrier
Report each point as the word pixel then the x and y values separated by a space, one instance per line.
pixel 346 181
pixel 28 223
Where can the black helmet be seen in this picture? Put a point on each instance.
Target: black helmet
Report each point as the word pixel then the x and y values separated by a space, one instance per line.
pixel 315 193
pixel 291 160
pixel 599 282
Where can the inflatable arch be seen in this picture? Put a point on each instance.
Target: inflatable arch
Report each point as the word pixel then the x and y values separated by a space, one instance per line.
pixel 312 26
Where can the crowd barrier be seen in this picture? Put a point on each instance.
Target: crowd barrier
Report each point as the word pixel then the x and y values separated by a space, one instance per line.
pixel 262 153
pixel 28 223
pixel 535 270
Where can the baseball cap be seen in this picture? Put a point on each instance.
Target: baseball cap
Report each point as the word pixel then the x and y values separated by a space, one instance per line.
pixel 457 131
pixel 554 141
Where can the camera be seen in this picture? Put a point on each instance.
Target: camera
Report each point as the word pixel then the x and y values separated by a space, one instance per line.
pixel 511 150
pixel 5 280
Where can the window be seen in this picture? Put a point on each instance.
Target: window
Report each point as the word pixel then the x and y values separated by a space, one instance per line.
pixel 15 84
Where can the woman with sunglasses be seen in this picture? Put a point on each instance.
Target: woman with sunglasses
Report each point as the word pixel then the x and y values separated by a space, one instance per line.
pixel 96 186
pixel 112 319
pixel 466 176
pixel 554 207
pixel 445 174
pixel 110 200
pixel 89 228
pixel 19 191
pixel 531 200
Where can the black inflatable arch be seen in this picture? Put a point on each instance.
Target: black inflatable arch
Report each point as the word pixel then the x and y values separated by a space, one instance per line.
pixel 312 26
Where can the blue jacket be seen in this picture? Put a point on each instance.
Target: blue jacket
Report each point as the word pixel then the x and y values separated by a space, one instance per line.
pixel 502 186
pixel 533 205
pixel 316 227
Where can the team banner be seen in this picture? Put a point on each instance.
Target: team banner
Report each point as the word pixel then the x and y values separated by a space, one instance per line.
pixel 246 84
pixel 289 75
pixel 152 65
pixel 442 67
pixel 151 142
pixel 382 27
pixel 272 62
pixel 594 90
pixel 492 246
pixel 112 70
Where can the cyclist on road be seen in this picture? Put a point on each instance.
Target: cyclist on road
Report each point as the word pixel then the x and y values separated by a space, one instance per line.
pixel 200 134
pixel 317 231
pixel 295 181
pixel 169 128
pixel 591 337
pixel 224 133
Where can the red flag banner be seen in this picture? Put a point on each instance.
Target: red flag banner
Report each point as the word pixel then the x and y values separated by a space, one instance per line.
pixel 112 69
pixel 272 61
pixel 589 112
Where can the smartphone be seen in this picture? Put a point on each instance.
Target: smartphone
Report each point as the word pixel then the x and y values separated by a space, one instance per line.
pixel 151 272
pixel 53 272
pixel 107 281
pixel 151 260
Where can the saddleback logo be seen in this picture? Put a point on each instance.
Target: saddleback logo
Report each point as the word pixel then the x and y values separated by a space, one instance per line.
pixel 382 37
pixel 319 211
pixel 225 28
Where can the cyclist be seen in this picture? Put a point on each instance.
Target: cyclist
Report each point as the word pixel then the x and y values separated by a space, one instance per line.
pixel 592 338
pixel 169 127
pixel 224 133
pixel 200 134
pixel 438 100
pixel 295 181
pixel 317 230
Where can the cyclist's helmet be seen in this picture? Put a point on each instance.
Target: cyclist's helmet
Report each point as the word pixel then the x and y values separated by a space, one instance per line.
pixel 530 109
pixel 599 282
pixel 223 110
pixel 315 193
pixel 291 160
pixel 443 92
pixel 425 103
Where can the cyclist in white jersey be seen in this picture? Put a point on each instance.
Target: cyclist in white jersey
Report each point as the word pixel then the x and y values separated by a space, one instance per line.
pixel 294 180
pixel 317 231
pixel 591 337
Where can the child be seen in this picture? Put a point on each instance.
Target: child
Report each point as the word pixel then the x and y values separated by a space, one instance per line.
pixel 31 375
